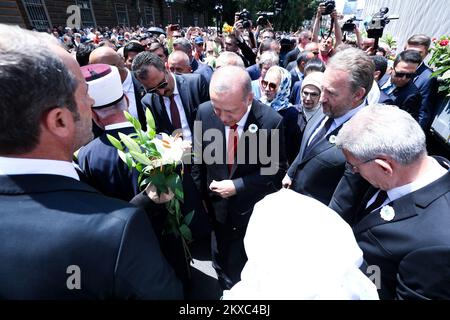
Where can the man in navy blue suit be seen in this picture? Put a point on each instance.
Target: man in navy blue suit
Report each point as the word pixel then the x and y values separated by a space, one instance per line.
pixel 59 238
pixel 423 79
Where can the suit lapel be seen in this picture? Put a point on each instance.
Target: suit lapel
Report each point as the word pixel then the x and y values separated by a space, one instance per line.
pixel 184 95
pixel 321 146
pixel 309 129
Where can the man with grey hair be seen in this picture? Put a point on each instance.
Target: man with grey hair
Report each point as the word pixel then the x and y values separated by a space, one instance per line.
pixel 228 58
pixel 60 237
pixel 247 163
pixel 184 45
pixel 319 164
pixel 402 221
pixel 178 62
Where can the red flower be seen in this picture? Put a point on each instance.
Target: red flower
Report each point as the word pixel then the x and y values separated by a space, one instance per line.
pixel 443 43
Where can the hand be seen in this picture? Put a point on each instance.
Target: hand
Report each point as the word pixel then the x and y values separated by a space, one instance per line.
pixel 238 28
pixel 320 10
pixel 153 195
pixel 286 183
pixel 224 188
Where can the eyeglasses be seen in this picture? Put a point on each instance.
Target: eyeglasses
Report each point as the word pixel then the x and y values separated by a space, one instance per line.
pixel 272 86
pixel 311 94
pixel 161 85
pixel 404 74
pixel 315 52
pixel 353 167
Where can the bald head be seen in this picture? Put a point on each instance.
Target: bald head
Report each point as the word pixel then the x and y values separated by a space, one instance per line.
pixel 228 58
pixel 108 56
pixel 178 62
pixel 231 79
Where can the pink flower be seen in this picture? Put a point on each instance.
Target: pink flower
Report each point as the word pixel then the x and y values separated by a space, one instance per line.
pixel 443 43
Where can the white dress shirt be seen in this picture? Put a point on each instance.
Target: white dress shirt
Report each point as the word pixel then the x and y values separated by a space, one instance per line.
pixel 128 88
pixel 16 166
pixel 187 135
pixel 240 127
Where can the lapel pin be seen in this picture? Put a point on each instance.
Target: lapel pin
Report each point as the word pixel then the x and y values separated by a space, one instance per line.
pixel 332 139
pixel 252 128
pixel 387 213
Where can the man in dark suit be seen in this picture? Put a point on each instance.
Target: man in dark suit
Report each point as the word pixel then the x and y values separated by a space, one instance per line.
pixel 319 165
pixel 173 99
pixel 244 162
pixel 99 159
pixel 423 79
pixel 404 92
pixel 380 70
pixel 403 219
pixel 131 86
pixel 61 238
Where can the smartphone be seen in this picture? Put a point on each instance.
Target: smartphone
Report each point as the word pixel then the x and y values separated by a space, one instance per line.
pixel 174 27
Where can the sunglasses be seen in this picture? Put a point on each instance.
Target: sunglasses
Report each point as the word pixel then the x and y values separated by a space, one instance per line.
pixel 161 85
pixel 404 74
pixel 272 86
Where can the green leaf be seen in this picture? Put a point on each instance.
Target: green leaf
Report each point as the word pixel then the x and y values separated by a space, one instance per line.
pixel 158 180
pixel 116 143
pixel 446 75
pixel 129 161
pixel 145 182
pixel 129 143
pixel 175 184
pixel 150 120
pixel 140 158
pixel 186 232
pixel 122 155
pixel 135 122
pixel 188 218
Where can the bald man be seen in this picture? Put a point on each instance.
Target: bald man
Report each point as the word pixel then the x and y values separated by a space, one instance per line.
pixel 131 86
pixel 228 58
pixel 251 167
pixel 178 62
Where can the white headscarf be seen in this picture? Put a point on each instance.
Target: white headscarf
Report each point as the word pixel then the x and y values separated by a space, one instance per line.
pixel 298 248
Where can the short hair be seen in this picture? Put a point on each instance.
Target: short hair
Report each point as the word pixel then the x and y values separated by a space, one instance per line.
pixel 83 52
pixel 132 47
pixel 408 56
pixel 228 58
pixel 357 64
pixel 379 130
pixel 381 64
pixel 315 64
pixel 304 34
pixel 185 45
pixel 47 82
pixel 144 60
pixel 183 57
pixel 116 108
pixel 155 45
pixel 265 45
pixel 225 78
pixel 268 57
pixel 419 40
pixel 303 57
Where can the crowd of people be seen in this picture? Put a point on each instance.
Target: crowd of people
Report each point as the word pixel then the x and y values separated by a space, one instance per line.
pixel 335 121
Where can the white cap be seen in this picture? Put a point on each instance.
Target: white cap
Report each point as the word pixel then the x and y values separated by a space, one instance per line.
pixel 105 86
pixel 313 79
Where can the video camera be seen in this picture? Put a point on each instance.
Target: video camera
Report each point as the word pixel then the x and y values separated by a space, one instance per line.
pixel 329 7
pixel 263 17
pixel 246 18
pixel 376 25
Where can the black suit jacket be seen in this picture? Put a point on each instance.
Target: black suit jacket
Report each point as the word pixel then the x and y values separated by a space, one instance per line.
pixel 51 222
pixel 139 93
pixel 251 184
pixel 316 173
pixel 408 98
pixel 427 86
pixel 402 246
pixel 105 171
pixel 193 91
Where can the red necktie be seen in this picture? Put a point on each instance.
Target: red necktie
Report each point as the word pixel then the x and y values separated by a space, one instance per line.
pixel 232 145
pixel 174 113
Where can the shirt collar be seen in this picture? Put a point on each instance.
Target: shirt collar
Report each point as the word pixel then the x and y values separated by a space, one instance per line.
pixel 342 119
pixel 175 87
pixel 241 123
pixel 16 166
pixel 119 125
pixel 436 172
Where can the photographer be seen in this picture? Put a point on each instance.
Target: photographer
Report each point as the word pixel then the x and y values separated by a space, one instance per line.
pixel 327 44
pixel 235 42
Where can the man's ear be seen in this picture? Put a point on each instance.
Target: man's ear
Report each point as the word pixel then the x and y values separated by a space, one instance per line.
pixel 59 122
pixel 359 94
pixel 386 165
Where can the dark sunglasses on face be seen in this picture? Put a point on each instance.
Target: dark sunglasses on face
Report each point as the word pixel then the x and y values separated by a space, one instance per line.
pixel 272 86
pixel 404 74
pixel 161 85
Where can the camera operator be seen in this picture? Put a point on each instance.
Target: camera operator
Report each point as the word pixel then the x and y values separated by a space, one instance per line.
pixel 235 42
pixel 327 44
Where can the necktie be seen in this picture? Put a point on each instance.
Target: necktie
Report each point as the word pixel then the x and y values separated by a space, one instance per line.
pixel 320 134
pixel 174 113
pixel 379 200
pixel 232 145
